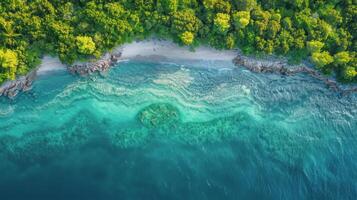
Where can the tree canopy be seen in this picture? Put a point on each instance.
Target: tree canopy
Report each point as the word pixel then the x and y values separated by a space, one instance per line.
pixel 8 62
pixel 85 44
pixel 322 31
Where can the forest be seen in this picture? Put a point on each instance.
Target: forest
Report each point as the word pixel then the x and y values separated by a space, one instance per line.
pixel 322 31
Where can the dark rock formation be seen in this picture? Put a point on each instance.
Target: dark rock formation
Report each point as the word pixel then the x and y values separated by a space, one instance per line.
pixel 23 83
pixel 103 64
pixel 283 68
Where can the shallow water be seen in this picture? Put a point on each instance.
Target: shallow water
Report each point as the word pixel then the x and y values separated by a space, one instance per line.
pixel 178 130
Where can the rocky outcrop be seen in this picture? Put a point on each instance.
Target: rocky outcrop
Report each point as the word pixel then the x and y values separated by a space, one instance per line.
pixel 103 64
pixel 21 84
pixel 282 67
pixel 24 83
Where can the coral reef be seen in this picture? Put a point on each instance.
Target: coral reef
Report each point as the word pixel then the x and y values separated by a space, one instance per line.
pixel 157 115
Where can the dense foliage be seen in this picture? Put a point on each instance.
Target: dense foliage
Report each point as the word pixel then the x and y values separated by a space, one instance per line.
pixel 323 30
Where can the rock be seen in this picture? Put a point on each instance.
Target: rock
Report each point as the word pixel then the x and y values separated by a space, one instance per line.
pixel 283 68
pixel 24 83
pixel 103 64
pixel 21 84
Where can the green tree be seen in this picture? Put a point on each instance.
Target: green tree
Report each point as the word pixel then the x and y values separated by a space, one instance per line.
pixel 115 9
pixel 286 40
pixel 187 37
pixel 223 7
pixel 245 4
pixel 230 42
pixel 349 73
pixel 330 14
pixel 273 29
pixel 8 34
pixel 85 44
pixel 222 22
pixel 8 62
pixel 342 58
pixel 167 6
pixel 321 59
pixel 314 46
pixel 287 23
pixel 261 20
pixel 241 19
pixel 185 20
pixel 209 4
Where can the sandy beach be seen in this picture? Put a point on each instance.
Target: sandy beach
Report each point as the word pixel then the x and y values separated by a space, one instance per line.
pixel 49 63
pixel 167 49
pixel 149 48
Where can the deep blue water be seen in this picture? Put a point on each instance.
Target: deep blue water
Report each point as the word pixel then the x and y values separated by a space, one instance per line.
pixel 178 130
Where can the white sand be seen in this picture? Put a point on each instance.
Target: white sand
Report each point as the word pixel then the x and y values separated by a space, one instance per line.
pixel 149 48
pixel 49 63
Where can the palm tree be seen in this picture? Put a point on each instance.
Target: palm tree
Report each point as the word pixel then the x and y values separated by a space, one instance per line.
pixel 8 34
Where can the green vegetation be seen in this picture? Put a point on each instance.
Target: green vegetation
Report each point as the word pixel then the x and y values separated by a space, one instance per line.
pixel 85 44
pixel 8 62
pixel 77 29
pixel 321 59
pixel 187 37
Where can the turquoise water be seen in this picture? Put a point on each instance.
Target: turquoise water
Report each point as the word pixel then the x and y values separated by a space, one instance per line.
pixel 178 130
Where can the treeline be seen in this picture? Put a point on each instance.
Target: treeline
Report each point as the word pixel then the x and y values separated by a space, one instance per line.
pixel 321 30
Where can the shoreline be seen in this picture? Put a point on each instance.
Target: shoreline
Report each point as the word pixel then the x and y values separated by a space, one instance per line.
pixel 159 49
pixel 170 50
pixel 281 66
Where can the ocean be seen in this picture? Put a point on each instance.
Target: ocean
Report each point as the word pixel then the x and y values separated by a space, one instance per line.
pixel 178 129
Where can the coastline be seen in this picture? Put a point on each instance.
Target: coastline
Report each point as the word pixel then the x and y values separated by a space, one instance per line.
pixel 170 50
pixel 148 49
pixel 155 49
pixel 50 64
pixel 271 65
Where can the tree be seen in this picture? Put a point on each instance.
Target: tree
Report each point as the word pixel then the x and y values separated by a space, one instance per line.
pixel 330 14
pixel 286 40
pixel 115 9
pixel 299 36
pixel 314 46
pixel 349 73
pixel 321 59
pixel 209 4
pixel 339 40
pixel 185 20
pixel 223 7
pixel 187 37
pixel 9 62
pixel 342 58
pixel 241 19
pixel 167 6
pixel 230 43
pixel 298 4
pixel 85 44
pixel 287 23
pixel 8 32
pixel 261 20
pixel 273 28
pixel 269 47
pixel 245 4
pixel 188 4
pixel 222 22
